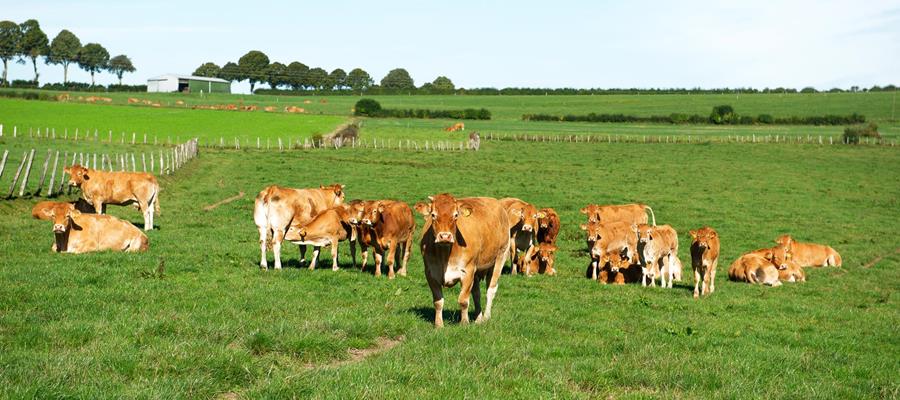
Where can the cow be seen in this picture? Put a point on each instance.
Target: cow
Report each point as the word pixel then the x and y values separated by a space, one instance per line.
pixel 618 268
pixel 78 232
pixel 474 141
pixel 541 259
pixel 631 213
pixel 100 188
pixel 328 228
pixel 754 268
pixel 464 240
pixel 610 237
pixel 704 259
pixel 658 247
pixel 459 126
pixel 276 208
pixel 522 218
pixel 548 226
pixel 810 254
pixel 391 224
pixel 80 205
pixel 780 256
pixel 362 235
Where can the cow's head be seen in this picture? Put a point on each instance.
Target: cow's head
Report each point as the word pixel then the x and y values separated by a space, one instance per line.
pixel 703 237
pixel 372 214
pixel 779 255
pixel 644 232
pixel 618 259
pixel 543 217
pixel 77 174
pixel 337 190
pixel 443 214
pixel 592 211
pixel 356 209
pixel 61 214
pixel 592 230
pixel 527 214
pixel 295 233
pixel 546 256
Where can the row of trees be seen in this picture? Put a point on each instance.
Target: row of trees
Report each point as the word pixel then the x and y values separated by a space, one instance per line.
pixel 26 41
pixel 255 67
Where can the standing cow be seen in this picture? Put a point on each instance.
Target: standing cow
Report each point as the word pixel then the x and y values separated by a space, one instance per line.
pixel 464 240
pixel 522 218
pixel 100 188
pixel 276 208
pixel 326 229
pixel 704 259
pixel 391 224
pixel 658 247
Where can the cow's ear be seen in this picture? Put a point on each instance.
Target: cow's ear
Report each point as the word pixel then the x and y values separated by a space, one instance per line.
pixel 73 213
pixel 431 199
pixel 517 212
pixel 465 211
pixel 342 186
pixel 583 227
pixel 769 255
pixel 584 210
pixel 693 235
pixel 48 212
pixel 553 247
pixel 67 170
pixel 634 228
pixel 423 208
pixel 380 207
pixel 713 234
pixel 85 177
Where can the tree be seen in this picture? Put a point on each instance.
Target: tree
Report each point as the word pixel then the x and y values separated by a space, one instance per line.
pixel 209 70
pixel 359 80
pixel 337 79
pixel 443 84
pixel 119 65
pixel 34 43
pixel 397 79
pixel 367 107
pixel 317 78
pixel 64 50
pixel 253 67
pixel 10 36
pixel 723 114
pixel 275 75
pixel 296 74
pixel 93 58
pixel 231 72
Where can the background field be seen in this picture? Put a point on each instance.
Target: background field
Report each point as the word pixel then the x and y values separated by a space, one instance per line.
pixel 210 322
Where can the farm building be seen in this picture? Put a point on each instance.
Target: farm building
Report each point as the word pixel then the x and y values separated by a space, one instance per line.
pixel 192 84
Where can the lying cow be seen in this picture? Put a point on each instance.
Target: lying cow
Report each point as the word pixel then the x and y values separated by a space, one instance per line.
pixel 390 225
pixel 754 268
pixel 276 208
pixel 780 257
pixel 548 226
pixel 704 259
pixel 464 240
pixel 100 188
pixel 658 247
pixel 630 213
pixel 617 268
pixel 328 228
pixel 540 261
pixel 81 233
pixel 810 254
pixel 522 218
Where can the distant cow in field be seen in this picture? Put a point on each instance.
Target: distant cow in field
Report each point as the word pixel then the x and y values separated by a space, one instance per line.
pixel 810 254
pixel 464 240
pixel 100 188
pixel 459 126
pixel 754 268
pixel 276 208
pixel 780 257
pixel 631 213
pixel 474 141
pixel 548 226
pixel 522 217
pixel 391 224
pixel 81 233
pixel 658 247
pixel 704 259
pixel 328 228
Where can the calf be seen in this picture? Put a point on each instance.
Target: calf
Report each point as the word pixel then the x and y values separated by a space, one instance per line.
pixel 780 257
pixel 548 226
pixel 100 188
pixel 522 218
pixel 658 247
pixel 631 213
pixel 810 254
pixel 540 261
pixel 81 233
pixel 754 268
pixel 362 235
pixel 464 240
pixel 328 228
pixel 704 259
pixel 392 225
pixel 618 268
pixel 611 237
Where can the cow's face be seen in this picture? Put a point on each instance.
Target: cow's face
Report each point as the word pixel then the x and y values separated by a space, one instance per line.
pixel 703 237
pixel 529 218
pixel 543 218
pixel 591 211
pixel 546 253
pixel 445 211
pixel 619 260
pixel 592 230
pixel 644 232
pixel 356 209
pixel 780 256
pixel 372 213
pixel 337 190
pixel 61 214
pixel 77 174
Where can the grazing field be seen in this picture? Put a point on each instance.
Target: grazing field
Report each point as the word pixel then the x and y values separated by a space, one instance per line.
pixel 195 317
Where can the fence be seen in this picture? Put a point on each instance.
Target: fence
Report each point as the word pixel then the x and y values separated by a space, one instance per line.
pixel 80 135
pixel 170 160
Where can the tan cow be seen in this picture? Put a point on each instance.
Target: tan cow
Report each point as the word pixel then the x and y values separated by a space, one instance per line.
pixel 754 268
pixel 328 228
pixel 392 224
pixel 464 240
pixel 100 188
pixel 704 259
pixel 548 226
pixel 362 234
pixel 617 268
pixel 780 257
pixel 608 238
pixel 522 218
pixel 658 247
pixel 459 126
pixel 276 208
pixel 810 254
pixel 540 261
pixel 81 233
pixel 81 205
pixel 631 213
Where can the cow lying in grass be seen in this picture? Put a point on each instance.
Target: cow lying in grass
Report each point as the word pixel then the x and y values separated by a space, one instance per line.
pixel 77 232
pixel 810 254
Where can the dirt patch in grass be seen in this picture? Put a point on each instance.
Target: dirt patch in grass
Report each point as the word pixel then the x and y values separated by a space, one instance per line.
pixel 878 259
pixel 382 344
pixel 211 207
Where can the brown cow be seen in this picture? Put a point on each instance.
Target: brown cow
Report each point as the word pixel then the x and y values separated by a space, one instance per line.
pixel 80 233
pixel 362 235
pixel 704 259
pixel 754 268
pixel 392 225
pixel 464 240
pixel 539 261
pixel 610 237
pixel 459 126
pixel 100 188
pixel 328 228
pixel 810 254
pixel 276 208
pixel 522 218
pixel 617 268
pixel 780 257
pixel 631 213
pixel 658 247
pixel 548 226
pixel 81 205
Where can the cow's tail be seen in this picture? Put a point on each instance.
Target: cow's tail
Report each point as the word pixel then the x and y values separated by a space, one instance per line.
pixel 261 212
pixel 835 257
pixel 652 215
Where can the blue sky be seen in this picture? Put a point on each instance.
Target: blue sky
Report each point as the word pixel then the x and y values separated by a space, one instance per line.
pixel 525 43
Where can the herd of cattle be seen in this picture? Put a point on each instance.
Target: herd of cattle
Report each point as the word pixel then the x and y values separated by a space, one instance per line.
pixel 464 240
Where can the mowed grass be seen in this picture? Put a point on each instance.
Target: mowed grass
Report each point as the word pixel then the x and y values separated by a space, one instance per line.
pixel 195 317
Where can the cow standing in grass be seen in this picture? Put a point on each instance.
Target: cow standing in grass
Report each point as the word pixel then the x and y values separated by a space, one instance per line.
pixel 100 188
pixel 658 247
pixel 391 225
pixel 522 217
pixel 327 229
pixel 704 259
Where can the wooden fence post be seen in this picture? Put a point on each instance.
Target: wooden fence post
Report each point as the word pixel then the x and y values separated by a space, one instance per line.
pixel 44 173
pixel 62 174
pixel 53 175
pixel 27 173
pixel 133 164
pixel 12 188
pixel 3 163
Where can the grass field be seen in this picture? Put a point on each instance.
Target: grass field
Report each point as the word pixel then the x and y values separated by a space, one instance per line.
pixel 210 323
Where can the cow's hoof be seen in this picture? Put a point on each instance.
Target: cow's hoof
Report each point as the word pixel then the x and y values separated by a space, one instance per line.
pixel 696 295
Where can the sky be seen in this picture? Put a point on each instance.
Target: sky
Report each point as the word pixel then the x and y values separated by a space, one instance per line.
pixel 584 44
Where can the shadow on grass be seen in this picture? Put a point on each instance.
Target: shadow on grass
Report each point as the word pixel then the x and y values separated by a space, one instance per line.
pixel 451 316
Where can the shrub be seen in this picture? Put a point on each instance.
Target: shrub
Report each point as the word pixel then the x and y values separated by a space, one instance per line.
pixel 854 132
pixel 723 114
pixel 367 107
pixel 23 84
pixel 765 119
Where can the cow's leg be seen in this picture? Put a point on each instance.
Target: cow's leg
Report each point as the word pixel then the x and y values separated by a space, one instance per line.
pixel 465 291
pixel 302 254
pixel 492 285
pixel 353 244
pixel 378 257
pixel 98 205
pixel 365 256
pixel 334 255
pixel 145 211
pixel 438 296
pixel 712 279
pixel 476 297
pixel 277 237
pixel 670 266
pixel 315 257
pixel 707 278
pixel 644 276
pixel 407 250
pixel 263 232
pixel 391 256
pixel 696 282
pixel 594 268
pixel 512 255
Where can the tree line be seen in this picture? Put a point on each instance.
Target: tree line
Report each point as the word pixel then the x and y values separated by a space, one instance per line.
pixel 27 42
pixel 720 115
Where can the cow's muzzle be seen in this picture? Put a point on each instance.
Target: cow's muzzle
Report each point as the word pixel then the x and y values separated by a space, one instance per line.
pixel 527 228
pixel 59 228
pixel 444 237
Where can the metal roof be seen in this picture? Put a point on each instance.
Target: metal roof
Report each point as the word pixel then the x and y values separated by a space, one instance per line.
pixel 191 77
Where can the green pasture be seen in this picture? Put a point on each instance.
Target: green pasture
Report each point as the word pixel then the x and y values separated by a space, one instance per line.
pixel 194 317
